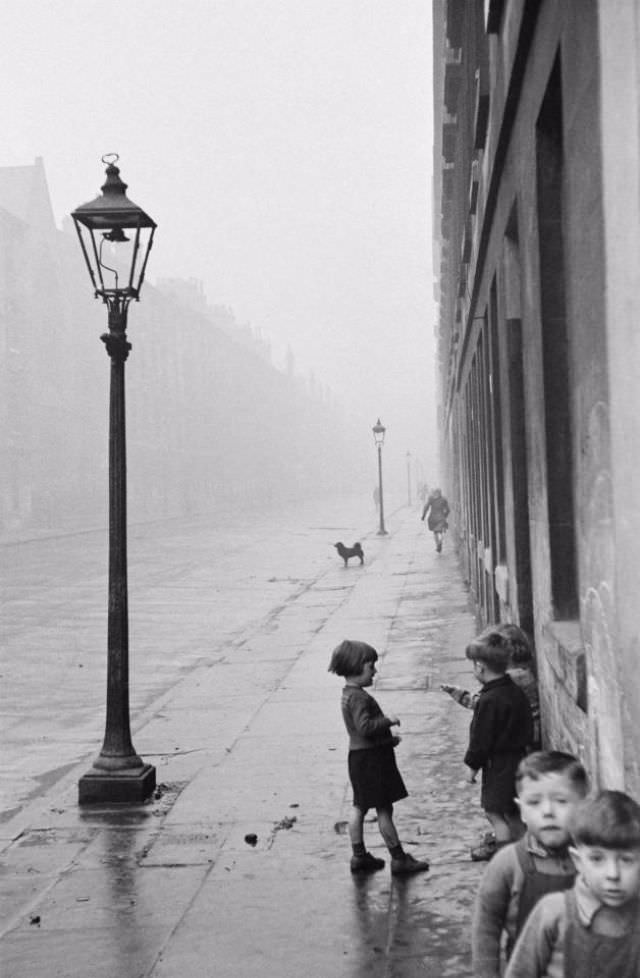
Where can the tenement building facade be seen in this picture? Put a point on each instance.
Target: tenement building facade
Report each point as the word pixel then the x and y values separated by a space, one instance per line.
pixel 212 424
pixel 537 238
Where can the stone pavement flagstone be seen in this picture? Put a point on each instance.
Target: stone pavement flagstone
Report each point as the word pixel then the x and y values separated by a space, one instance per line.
pixel 252 743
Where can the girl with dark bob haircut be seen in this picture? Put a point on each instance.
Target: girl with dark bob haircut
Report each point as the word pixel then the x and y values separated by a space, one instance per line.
pixel 373 772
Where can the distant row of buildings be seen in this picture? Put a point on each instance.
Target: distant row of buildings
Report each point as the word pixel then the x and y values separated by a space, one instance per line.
pixel 210 421
pixel 537 229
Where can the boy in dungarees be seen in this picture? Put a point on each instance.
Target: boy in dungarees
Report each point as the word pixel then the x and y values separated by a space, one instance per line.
pixel 592 930
pixel 549 785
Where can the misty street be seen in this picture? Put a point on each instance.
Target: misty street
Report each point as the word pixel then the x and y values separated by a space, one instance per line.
pixel 200 590
pixel 232 626
pixel 319 360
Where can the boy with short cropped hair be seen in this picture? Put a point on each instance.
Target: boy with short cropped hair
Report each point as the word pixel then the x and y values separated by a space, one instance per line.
pixel 500 732
pixel 549 785
pixel 592 930
pixel 520 669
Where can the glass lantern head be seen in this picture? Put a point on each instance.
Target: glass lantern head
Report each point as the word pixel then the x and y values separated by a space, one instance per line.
pixel 116 237
pixel 378 432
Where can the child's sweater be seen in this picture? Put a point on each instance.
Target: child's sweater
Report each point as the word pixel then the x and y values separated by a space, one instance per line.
pixel 498 900
pixel 501 723
pixel 565 928
pixel 366 724
pixel 523 677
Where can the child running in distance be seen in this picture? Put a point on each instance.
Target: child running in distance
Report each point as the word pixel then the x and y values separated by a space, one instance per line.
pixel 549 785
pixel 592 930
pixel 500 733
pixel 373 772
pixel 520 669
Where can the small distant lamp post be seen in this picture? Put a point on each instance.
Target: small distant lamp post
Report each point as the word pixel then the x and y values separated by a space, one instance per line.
pixel 116 237
pixel 408 478
pixel 378 437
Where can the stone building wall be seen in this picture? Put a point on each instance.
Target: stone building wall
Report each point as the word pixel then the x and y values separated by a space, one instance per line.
pixel 530 349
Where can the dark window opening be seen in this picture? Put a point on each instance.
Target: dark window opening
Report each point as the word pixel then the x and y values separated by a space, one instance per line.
pixel 557 406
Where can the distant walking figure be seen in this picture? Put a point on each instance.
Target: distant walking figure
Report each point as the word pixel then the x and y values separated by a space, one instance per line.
pixel 438 509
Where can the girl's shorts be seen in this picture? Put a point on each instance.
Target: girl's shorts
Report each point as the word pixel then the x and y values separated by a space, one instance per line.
pixel 499 784
pixel 375 778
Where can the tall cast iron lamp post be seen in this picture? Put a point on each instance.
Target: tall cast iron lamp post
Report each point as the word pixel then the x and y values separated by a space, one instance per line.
pixel 116 237
pixel 378 437
pixel 408 478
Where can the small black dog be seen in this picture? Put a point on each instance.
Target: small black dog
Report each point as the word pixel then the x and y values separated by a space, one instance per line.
pixel 347 552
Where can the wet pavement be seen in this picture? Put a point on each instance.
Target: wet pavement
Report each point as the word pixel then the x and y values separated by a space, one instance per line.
pixel 231 631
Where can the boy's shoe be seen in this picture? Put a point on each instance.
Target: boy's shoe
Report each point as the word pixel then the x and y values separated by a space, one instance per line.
pixel 406 865
pixel 366 863
pixel 485 851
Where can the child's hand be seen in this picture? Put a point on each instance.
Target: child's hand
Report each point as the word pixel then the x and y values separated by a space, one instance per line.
pixel 446 688
pixel 471 777
pixel 393 720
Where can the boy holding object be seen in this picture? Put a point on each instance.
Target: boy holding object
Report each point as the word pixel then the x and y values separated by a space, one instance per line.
pixel 500 733
pixel 520 669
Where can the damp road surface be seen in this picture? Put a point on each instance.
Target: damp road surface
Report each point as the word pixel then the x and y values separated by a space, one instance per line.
pixel 239 864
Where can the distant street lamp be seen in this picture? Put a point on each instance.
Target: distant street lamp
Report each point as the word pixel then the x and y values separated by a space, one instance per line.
pixel 116 263
pixel 408 478
pixel 378 437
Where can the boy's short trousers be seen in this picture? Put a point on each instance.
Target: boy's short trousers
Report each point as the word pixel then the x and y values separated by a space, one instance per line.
pixel 499 784
pixel 375 778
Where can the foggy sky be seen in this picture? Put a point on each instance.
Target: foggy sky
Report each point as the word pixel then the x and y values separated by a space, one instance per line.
pixel 283 147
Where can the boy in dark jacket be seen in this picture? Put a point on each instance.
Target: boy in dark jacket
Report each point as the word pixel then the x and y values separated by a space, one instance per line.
pixel 500 732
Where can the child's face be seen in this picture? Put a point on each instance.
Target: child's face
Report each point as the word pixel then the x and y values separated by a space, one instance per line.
pixel 365 678
pixel 612 875
pixel 546 804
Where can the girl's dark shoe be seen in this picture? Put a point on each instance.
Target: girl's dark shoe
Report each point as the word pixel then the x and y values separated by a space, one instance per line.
pixel 405 865
pixel 366 863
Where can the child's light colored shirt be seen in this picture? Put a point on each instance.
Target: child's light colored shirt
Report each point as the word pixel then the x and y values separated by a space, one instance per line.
pixel 540 949
pixel 497 904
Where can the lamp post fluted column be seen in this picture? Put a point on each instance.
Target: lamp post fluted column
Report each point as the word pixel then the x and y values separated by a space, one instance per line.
pixel 381 530
pixel 379 431
pixel 118 773
pixel 113 222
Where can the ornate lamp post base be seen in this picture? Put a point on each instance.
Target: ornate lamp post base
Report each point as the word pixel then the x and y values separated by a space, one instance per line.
pixel 120 787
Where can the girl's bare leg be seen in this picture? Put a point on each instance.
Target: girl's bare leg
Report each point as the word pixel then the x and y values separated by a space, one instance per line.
pixel 387 828
pixel 356 826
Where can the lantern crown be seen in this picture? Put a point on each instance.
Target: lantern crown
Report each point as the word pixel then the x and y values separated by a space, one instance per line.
pixel 378 432
pixel 117 276
pixel 112 210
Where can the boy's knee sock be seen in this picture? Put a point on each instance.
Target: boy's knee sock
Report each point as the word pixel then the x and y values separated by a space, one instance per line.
pixel 359 849
pixel 396 852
